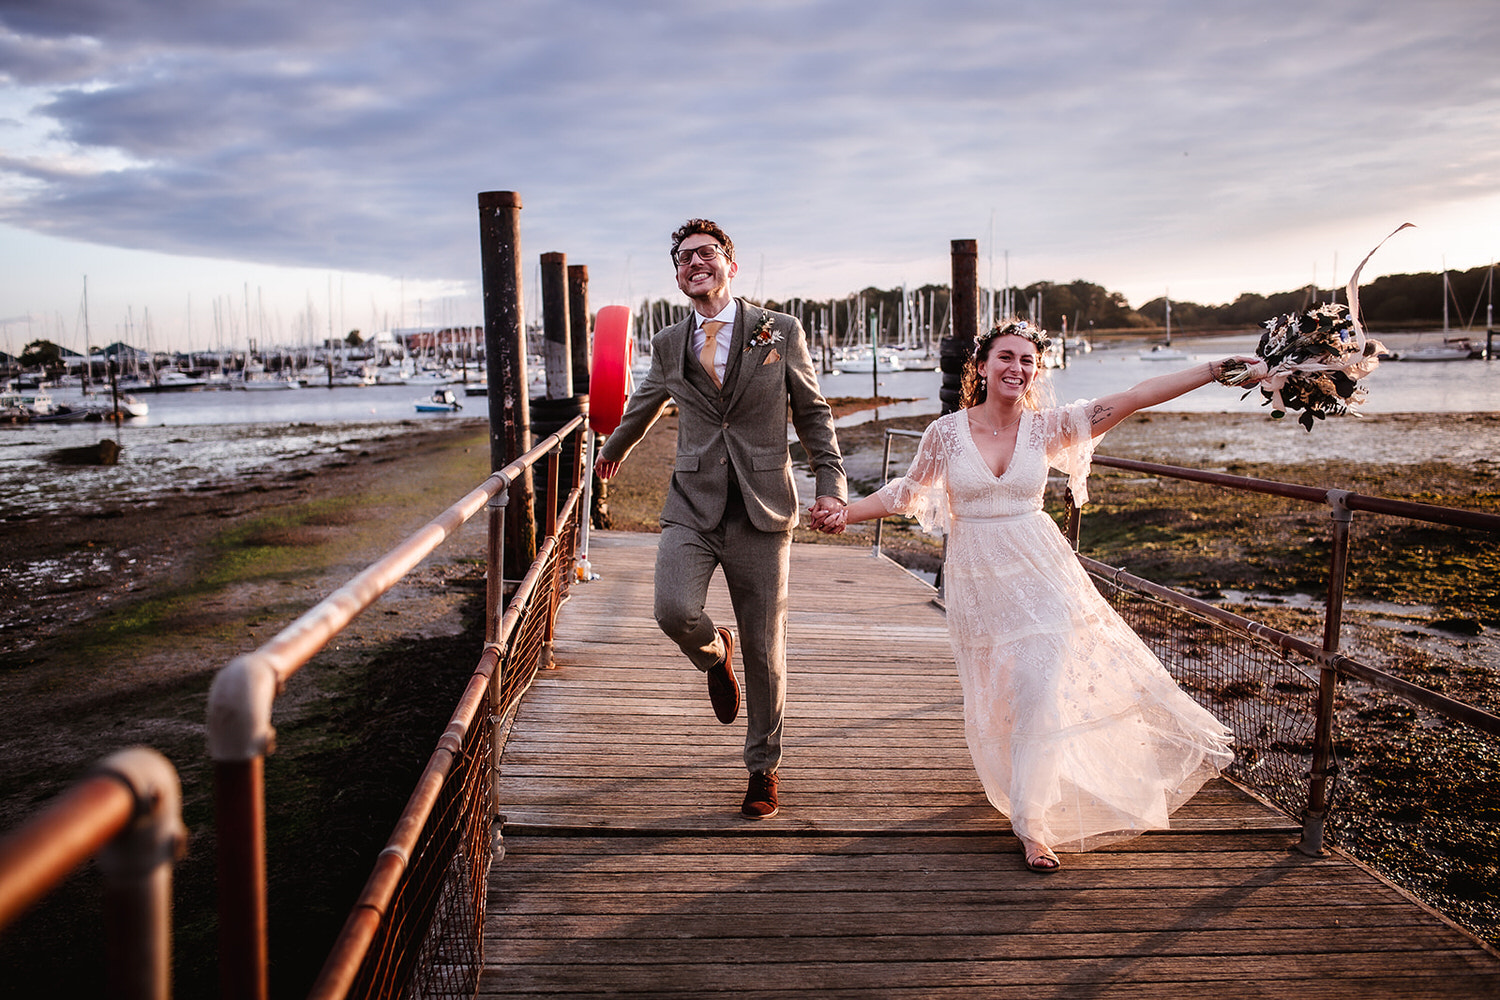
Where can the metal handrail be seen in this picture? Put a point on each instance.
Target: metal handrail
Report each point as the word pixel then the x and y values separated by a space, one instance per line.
pixel 128 813
pixel 1454 516
pixel 885 474
pixel 1341 504
pixel 1332 664
pixel 1415 693
pixel 240 734
pixel 353 944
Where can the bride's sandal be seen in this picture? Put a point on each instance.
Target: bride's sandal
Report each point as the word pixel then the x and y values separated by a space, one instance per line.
pixel 1041 859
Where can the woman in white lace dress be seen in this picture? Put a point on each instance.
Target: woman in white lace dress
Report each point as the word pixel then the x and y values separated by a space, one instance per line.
pixel 1077 732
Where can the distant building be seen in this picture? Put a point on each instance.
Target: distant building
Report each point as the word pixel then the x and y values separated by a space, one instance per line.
pixel 122 354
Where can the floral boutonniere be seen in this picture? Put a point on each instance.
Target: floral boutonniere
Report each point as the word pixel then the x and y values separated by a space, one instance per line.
pixel 762 335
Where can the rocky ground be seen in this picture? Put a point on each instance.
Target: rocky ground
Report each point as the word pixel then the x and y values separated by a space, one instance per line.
pixel 114 621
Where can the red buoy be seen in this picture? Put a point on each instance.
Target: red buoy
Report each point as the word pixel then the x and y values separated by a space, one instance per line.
pixel 609 373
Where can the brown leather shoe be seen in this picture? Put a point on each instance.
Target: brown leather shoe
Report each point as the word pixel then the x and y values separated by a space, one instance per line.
pixel 723 689
pixel 760 799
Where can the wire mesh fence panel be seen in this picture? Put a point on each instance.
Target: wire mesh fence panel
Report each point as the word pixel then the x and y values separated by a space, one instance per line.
pixel 1260 692
pixel 430 942
pixel 1417 797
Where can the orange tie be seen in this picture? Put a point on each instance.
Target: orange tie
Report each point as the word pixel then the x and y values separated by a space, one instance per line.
pixel 711 329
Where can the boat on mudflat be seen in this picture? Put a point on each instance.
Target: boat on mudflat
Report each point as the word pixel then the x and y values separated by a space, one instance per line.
pixel 61 413
pixel 439 402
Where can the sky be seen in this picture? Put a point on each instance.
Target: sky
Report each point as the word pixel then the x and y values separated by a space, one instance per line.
pixel 215 169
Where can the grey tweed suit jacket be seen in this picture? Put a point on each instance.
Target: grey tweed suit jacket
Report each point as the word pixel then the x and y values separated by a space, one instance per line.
pixel 741 429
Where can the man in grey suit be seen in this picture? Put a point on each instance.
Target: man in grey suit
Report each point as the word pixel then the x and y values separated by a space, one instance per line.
pixel 733 369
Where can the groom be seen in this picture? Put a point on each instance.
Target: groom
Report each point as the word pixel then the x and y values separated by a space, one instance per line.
pixel 733 369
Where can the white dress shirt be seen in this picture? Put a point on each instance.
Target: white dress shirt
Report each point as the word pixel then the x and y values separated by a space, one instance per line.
pixel 726 333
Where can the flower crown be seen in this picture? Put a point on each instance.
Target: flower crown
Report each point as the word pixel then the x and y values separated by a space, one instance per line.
pixel 1016 328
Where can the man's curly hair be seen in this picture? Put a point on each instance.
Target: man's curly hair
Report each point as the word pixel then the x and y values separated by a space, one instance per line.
pixel 975 391
pixel 707 228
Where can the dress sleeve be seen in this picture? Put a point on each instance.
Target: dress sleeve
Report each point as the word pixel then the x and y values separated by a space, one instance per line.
pixel 1070 448
pixel 923 492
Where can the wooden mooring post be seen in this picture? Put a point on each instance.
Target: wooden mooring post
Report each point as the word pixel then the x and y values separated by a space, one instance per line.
pixel 505 364
pixel 965 309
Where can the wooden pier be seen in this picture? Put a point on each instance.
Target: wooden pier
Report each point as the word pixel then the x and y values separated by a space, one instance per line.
pixel 627 871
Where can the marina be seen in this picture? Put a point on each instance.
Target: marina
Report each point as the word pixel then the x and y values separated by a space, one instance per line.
pixel 187 439
pixel 561 845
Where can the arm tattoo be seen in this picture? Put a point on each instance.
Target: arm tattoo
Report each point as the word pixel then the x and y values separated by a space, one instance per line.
pixel 1099 414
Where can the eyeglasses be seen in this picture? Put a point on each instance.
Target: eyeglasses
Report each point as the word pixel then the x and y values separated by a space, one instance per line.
pixel 706 252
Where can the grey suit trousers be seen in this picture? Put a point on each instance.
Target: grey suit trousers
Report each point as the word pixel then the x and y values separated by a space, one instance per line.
pixel 756 565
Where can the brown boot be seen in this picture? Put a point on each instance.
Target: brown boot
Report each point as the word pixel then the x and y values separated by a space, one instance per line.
pixel 723 689
pixel 760 799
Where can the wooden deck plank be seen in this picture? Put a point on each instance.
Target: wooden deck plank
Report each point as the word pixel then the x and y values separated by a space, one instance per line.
pixel 626 869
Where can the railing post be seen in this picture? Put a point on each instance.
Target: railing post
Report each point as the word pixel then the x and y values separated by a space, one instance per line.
pixel 1324 767
pixel 240 735
pixel 583 569
pixel 494 573
pixel 1075 518
pixel 885 474
pixel 137 867
pixel 240 816
pixel 554 585
pixel 494 593
pixel 554 473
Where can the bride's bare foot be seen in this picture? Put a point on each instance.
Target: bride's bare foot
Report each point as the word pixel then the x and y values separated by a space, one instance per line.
pixel 1039 858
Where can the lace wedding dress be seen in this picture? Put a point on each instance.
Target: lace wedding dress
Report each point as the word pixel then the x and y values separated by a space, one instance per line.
pixel 1077 731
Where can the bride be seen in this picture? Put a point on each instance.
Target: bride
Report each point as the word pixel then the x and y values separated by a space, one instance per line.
pixel 1078 733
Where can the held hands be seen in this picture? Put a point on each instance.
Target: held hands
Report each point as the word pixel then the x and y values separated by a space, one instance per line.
pixel 828 515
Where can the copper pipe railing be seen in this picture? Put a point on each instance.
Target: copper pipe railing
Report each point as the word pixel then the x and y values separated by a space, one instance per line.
pixel 240 733
pixel 1332 665
pixel 536 592
pixel 128 814
pixel 885 475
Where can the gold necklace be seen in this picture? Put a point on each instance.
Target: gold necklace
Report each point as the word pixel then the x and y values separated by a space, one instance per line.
pixel 996 432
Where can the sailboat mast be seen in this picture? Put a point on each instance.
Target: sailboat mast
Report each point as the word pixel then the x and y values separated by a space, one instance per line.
pixel 88 350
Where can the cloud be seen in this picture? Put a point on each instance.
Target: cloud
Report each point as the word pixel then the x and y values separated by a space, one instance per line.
pixel 835 135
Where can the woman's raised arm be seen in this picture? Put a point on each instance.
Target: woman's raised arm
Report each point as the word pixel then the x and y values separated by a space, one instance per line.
pixel 1107 411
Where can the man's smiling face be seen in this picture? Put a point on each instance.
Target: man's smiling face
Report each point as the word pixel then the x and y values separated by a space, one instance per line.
pixel 702 279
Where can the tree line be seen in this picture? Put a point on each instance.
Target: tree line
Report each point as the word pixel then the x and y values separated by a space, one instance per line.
pixel 1393 301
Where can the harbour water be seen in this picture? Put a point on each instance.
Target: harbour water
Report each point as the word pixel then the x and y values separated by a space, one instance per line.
pixel 1394 387
pixel 194 440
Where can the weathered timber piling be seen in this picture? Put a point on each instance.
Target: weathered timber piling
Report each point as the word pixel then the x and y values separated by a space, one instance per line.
pixel 580 326
pixel 505 363
pixel 965 305
pixel 558 356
